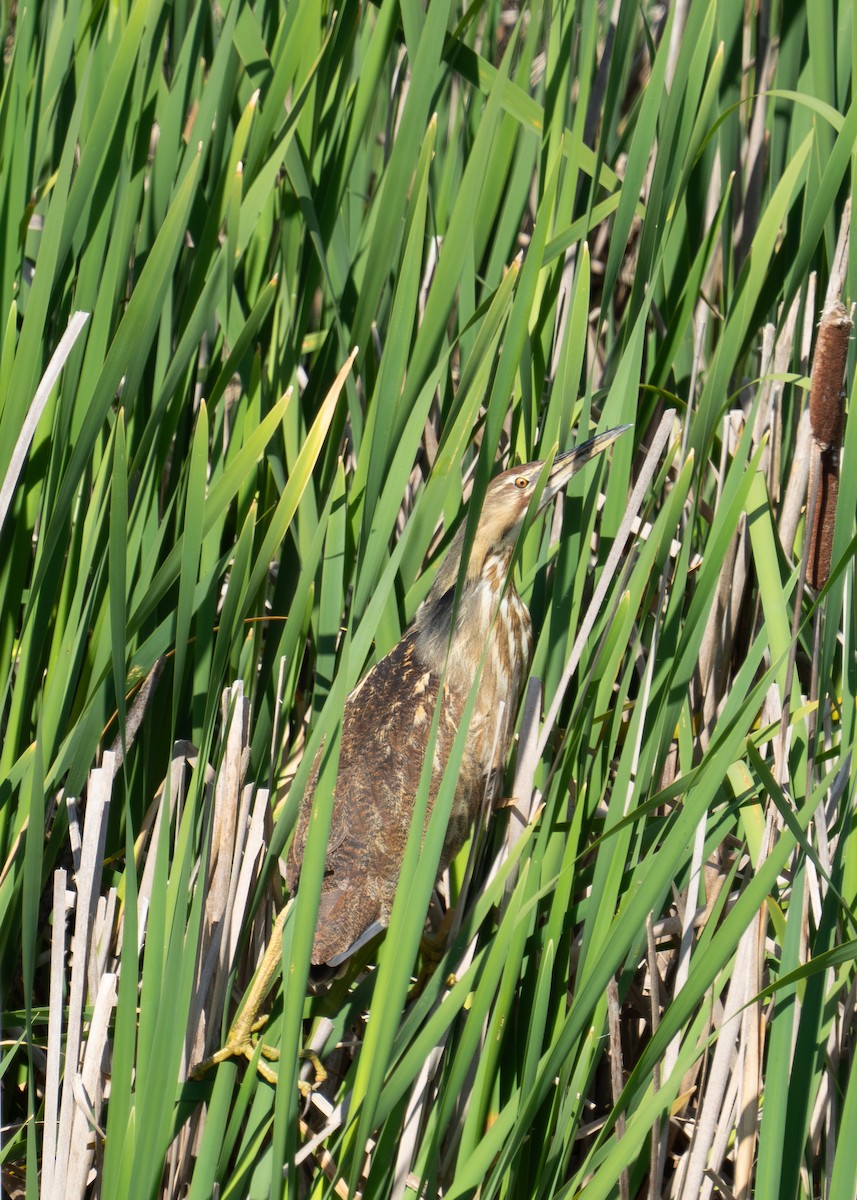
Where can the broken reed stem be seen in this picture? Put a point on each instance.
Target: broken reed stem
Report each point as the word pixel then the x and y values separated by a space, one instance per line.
pixel 658 1137
pixel 826 414
pixel 611 566
pixel 617 1081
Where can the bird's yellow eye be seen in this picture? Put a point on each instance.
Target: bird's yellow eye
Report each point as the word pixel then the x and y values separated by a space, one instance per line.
pixel 521 482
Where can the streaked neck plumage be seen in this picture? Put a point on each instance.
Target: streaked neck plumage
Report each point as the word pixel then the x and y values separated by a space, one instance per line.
pixel 490 614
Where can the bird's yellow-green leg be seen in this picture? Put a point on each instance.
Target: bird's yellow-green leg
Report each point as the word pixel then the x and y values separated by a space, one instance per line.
pixel 239 1042
pixel 305 1087
pixel 433 946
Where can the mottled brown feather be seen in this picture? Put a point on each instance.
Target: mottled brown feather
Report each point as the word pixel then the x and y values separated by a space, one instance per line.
pixel 385 734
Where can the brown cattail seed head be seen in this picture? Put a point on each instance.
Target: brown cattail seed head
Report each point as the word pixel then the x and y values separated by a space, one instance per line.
pixel 826 416
pixel 828 369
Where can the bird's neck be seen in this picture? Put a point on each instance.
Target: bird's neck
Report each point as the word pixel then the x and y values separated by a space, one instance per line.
pixel 487 561
pixel 456 647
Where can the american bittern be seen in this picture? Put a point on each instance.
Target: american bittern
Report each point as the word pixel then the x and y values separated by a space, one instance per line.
pixel 388 718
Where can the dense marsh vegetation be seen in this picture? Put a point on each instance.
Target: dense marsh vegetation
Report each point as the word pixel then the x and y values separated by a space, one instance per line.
pixel 335 266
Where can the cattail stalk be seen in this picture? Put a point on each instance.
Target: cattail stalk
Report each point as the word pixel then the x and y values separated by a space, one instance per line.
pixel 826 414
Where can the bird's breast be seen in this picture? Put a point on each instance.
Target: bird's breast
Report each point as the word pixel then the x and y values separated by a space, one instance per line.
pixel 490 651
pixel 505 636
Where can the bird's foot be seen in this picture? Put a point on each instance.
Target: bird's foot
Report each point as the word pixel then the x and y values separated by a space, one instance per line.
pixel 305 1086
pixel 241 1043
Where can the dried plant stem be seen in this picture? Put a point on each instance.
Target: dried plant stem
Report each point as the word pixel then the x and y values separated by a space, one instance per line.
pixel 617 551
pixel 616 1079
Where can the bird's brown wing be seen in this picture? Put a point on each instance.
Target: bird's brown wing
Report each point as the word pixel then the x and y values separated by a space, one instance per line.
pixel 385 731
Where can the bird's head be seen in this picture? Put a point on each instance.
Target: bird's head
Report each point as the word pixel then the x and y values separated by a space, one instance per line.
pixel 510 493
pixel 507 501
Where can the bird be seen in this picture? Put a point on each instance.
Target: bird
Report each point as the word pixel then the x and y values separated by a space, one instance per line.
pixel 484 631
pixel 482 637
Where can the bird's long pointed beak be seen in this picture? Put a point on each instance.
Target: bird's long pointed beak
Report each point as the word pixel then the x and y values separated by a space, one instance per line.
pixel 570 461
